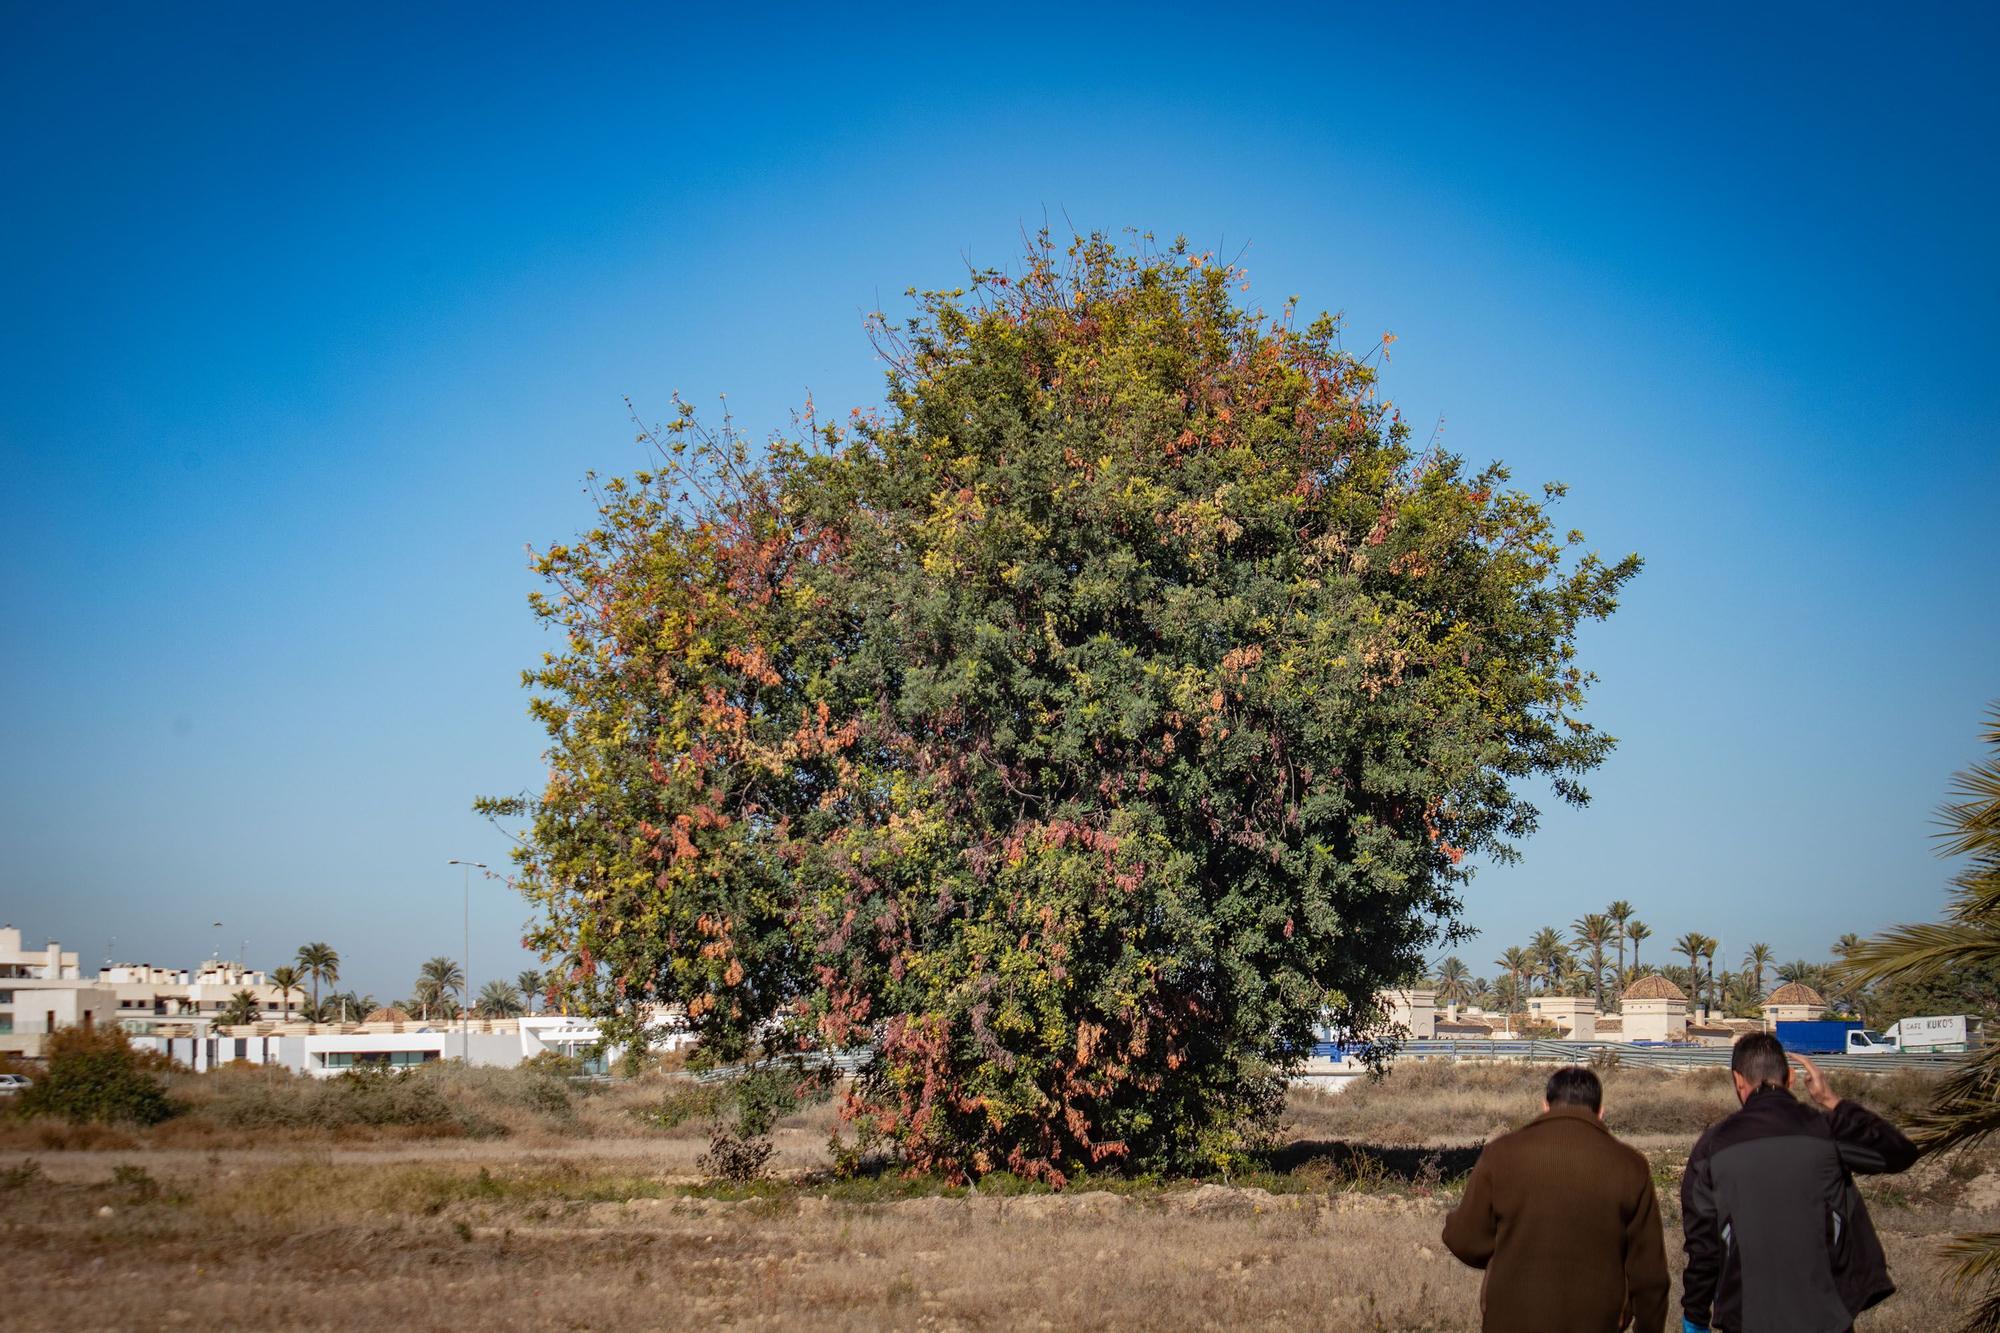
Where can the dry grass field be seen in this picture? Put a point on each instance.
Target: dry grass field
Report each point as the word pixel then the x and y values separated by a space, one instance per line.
pixel 521 1209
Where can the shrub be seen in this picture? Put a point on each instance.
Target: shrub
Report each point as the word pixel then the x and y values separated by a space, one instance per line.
pixel 364 1096
pixel 733 1157
pixel 24 1176
pixel 93 1074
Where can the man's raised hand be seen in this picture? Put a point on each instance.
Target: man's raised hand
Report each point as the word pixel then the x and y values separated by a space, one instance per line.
pixel 1816 1088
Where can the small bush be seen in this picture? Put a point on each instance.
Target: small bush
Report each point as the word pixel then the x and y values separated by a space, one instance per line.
pixel 137 1182
pixel 20 1177
pixel 733 1157
pixel 94 1075
pixel 684 1102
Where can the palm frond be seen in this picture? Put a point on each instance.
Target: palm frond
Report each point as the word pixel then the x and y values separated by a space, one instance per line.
pixel 1975 1258
pixel 1974 1255
pixel 1922 950
pixel 1965 1108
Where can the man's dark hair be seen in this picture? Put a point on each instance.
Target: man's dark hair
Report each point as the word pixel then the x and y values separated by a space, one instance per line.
pixel 1574 1085
pixel 1760 1058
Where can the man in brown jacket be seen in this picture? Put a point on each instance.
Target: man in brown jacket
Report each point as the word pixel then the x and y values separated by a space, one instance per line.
pixel 1563 1218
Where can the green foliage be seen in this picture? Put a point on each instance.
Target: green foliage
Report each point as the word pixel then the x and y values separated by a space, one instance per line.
pixel 1961 950
pixel 1957 988
pixel 499 999
pixel 320 962
pixel 242 1010
pixel 740 1112
pixel 1082 730
pixel 553 1063
pixel 94 1074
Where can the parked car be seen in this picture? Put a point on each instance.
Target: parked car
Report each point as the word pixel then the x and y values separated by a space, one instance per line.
pixel 13 1083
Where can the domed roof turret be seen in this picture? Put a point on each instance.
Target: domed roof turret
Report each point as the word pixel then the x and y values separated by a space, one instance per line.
pixel 1653 986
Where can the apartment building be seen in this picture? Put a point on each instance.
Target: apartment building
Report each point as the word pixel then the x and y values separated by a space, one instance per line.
pixel 42 990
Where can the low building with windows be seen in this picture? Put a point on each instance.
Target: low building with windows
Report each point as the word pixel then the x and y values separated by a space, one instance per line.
pixel 391 1040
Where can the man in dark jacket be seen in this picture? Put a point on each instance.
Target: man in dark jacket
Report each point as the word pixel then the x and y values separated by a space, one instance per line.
pixel 1778 1240
pixel 1563 1218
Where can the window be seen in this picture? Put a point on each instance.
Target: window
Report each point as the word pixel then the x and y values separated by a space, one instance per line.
pixel 393 1059
pixel 7 1024
pixel 6 997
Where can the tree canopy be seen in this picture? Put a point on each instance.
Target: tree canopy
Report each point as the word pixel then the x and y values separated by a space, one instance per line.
pixel 1081 729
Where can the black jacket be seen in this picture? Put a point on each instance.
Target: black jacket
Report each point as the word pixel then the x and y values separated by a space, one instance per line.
pixel 1778 1240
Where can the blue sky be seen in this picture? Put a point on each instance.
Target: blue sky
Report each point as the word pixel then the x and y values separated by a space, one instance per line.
pixel 314 318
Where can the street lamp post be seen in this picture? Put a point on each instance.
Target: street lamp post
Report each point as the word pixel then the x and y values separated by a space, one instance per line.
pixel 465 993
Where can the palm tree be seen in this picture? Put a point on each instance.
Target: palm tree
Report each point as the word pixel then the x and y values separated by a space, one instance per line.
pixel 1690 946
pixel 1454 981
pixel 1709 944
pixel 436 980
pixel 1517 963
pixel 531 983
pixel 1965 1107
pixel 241 1011
pixel 350 1006
pixel 1620 914
pixel 1806 974
pixel 1550 951
pixel 1845 946
pixel 1593 931
pixel 1636 932
pixel 1756 959
pixel 287 979
pixel 499 999
pixel 321 963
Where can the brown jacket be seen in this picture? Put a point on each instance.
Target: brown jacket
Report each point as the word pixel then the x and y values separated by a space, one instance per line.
pixel 1563 1218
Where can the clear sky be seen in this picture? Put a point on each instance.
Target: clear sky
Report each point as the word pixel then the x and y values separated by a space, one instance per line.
pixel 312 317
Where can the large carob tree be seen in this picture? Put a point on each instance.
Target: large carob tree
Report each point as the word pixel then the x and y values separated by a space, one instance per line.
pixel 1080 730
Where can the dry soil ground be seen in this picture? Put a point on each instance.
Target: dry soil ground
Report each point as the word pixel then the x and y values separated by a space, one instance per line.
pixel 618 1233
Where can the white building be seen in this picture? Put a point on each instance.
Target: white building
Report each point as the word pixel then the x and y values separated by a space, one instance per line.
pixel 144 990
pixel 326 1050
pixel 1793 1002
pixel 49 963
pixel 42 990
pixel 1654 1009
pixel 1414 1011
pixel 1574 1017
pixel 32 1008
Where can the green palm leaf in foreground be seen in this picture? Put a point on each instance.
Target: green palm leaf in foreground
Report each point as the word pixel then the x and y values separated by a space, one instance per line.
pixel 1965 1110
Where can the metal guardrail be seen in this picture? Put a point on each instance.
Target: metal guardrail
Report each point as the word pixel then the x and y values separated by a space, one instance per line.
pixel 1662 1056
pixel 844 1062
pixel 1526 1050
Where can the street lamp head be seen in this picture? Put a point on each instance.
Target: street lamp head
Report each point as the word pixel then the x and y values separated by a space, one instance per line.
pixel 476 865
